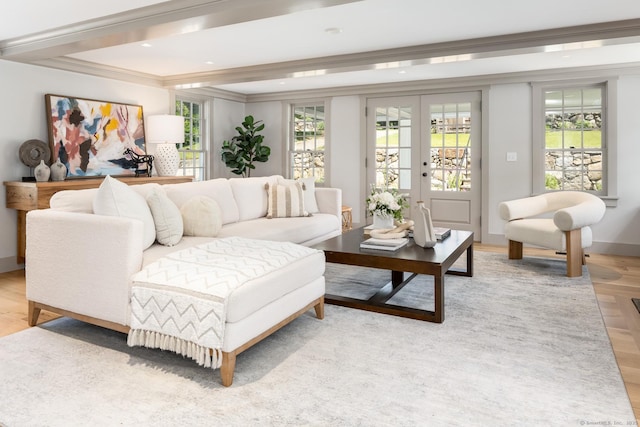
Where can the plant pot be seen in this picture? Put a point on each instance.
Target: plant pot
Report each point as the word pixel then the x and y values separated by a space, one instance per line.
pixel 382 222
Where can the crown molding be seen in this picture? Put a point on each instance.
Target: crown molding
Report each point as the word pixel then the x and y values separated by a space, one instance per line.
pixel 92 69
pixel 455 84
pixel 210 92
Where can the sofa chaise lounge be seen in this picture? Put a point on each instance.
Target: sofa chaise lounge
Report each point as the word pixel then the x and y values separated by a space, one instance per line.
pixel 80 263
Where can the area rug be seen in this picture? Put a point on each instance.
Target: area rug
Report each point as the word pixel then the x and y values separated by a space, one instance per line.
pixel 521 344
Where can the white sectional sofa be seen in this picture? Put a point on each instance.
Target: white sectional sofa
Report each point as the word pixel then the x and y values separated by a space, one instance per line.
pixel 80 264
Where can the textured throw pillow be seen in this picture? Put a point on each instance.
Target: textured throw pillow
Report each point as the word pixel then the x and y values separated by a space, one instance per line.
pixel 201 216
pixel 166 217
pixel 115 198
pixel 285 201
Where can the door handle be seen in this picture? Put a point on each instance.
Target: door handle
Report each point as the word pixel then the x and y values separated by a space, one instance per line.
pixel 425 174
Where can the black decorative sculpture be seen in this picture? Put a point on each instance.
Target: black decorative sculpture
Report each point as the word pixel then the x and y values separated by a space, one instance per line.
pixel 137 160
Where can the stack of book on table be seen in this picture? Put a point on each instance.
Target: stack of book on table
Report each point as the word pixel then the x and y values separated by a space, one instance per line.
pixel 383 244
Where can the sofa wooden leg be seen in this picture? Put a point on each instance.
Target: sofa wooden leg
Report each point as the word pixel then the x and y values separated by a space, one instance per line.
pixel 574 253
pixel 33 314
pixel 319 307
pixel 227 368
pixel 515 250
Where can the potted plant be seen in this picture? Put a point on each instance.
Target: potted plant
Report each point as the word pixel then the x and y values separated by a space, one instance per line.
pixel 245 148
pixel 386 205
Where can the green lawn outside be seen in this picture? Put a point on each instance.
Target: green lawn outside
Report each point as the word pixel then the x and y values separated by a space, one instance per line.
pixel 449 140
pixel 592 139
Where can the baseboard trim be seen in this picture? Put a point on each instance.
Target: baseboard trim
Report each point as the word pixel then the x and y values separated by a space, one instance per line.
pixel 9 264
pixel 605 248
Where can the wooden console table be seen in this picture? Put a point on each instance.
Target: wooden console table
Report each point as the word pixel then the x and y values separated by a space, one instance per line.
pixel 27 196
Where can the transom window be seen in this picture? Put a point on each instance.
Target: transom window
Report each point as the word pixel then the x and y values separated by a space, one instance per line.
pixel 307 143
pixel 192 150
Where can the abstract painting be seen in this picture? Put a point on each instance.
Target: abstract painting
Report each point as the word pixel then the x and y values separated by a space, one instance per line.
pixel 90 137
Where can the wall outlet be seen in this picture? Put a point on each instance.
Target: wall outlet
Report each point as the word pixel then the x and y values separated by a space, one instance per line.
pixel 512 157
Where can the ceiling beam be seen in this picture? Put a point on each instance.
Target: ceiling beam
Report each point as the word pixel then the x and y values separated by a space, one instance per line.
pixel 561 39
pixel 158 20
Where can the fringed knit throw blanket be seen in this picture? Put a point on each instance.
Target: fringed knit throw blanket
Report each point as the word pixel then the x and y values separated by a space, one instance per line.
pixel 179 302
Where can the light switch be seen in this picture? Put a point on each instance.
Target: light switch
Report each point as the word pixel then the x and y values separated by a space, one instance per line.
pixel 512 157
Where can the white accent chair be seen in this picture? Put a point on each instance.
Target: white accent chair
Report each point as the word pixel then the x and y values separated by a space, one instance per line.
pixel 568 230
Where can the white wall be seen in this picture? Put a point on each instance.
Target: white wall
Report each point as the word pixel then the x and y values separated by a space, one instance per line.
pixel 509 131
pixel 621 225
pixel 22 117
pixel 227 115
pixel 271 113
pixel 346 165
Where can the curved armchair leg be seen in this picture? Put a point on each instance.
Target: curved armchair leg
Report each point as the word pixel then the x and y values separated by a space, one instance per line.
pixel 575 254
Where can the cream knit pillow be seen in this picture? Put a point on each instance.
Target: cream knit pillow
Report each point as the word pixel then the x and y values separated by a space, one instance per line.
pixel 166 217
pixel 201 216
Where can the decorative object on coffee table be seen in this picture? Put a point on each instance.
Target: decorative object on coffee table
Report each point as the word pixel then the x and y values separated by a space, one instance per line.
pixel 90 136
pixel 423 233
pixel 166 131
pixel 385 206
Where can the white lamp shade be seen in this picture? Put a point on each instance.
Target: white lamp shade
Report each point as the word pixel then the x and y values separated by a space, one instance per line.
pixel 166 131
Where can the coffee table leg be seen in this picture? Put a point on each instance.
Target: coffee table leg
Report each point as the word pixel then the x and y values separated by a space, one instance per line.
pixel 397 277
pixel 438 298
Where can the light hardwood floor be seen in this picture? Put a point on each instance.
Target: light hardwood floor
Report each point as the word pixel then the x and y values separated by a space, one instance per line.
pixel 615 280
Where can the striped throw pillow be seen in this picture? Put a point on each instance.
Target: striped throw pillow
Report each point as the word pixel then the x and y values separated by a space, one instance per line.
pixel 285 200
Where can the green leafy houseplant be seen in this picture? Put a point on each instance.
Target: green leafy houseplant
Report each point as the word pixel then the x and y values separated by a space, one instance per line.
pixel 245 148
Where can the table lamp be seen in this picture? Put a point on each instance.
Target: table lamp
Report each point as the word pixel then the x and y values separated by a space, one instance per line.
pixel 165 131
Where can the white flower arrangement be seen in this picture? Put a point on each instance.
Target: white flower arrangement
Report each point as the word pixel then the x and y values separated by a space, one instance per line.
pixel 386 203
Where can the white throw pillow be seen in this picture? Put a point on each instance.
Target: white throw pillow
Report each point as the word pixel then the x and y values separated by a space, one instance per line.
pixel 251 196
pixel 285 201
pixel 201 216
pixel 115 198
pixel 309 188
pixel 166 217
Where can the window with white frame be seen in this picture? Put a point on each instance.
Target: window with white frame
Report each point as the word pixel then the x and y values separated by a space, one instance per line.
pixel 193 149
pixel 307 142
pixel 573 142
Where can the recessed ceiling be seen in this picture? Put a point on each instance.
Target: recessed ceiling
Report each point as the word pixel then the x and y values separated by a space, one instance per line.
pixel 258 46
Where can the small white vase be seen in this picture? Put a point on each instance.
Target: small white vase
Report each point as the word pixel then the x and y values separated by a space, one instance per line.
pixel 42 171
pixel 382 222
pixel 166 159
pixel 58 171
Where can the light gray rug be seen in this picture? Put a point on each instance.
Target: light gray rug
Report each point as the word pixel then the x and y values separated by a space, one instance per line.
pixel 521 345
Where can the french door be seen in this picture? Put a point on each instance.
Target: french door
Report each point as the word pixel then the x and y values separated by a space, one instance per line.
pixel 428 147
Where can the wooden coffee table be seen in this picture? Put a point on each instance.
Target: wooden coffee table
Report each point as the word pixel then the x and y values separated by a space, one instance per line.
pixel 436 261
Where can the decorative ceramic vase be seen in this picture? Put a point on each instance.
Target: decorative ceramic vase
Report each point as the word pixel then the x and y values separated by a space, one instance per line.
pixel 380 221
pixel 423 234
pixel 58 171
pixel 42 171
pixel 166 159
